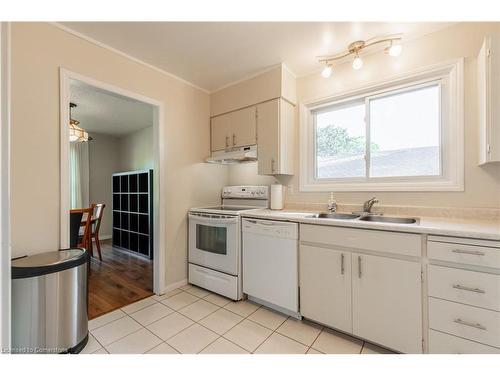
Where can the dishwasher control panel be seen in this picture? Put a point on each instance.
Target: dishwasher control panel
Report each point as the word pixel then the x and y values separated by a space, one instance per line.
pixel 283 229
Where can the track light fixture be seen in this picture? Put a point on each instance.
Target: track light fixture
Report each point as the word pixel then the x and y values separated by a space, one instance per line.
pixel 327 71
pixel 393 49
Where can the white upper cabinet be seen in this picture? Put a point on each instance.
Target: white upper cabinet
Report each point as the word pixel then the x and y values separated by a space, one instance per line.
pixel 234 129
pixel 219 133
pixel 488 68
pixel 275 133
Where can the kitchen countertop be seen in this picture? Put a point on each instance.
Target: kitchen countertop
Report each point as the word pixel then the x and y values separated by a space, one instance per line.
pixel 481 229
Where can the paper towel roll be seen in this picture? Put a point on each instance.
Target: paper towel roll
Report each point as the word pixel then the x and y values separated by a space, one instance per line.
pixel 276 197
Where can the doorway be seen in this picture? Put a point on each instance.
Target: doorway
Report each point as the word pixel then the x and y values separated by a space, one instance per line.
pixel 111 164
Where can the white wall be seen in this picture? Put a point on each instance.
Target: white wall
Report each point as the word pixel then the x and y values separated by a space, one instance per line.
pixel 38 51
pixel 482 184
pixel 104 160
pixel 136 150
pixel 110 154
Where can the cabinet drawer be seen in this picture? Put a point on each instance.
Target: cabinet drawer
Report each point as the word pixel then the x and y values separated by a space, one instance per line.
pixel 470 287
pixel 442 343
pixel 465 254
pixel 464 321
pixel 387 242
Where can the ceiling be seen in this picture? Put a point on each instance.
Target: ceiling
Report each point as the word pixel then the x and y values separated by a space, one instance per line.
pixel 105 112
pixel 214 54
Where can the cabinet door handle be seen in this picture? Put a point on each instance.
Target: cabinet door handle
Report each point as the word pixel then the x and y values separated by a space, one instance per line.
pixel 469 289
pixel 227 141
pixel 469 324
pixel 234 139
pixel 359 267
pixel 341 264
pixel 272 165
pixel 468 252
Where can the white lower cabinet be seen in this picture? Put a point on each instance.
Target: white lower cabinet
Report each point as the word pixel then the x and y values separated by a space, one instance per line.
pixel 442 343
pixel 374 297
pixel 386 302
pixel 463 295
pixel 468 322
pixel 325 286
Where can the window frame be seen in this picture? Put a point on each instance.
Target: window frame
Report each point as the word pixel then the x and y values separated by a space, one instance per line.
pixel 449 76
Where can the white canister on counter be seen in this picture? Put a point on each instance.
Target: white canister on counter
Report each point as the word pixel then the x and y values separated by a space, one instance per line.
pixel 277 196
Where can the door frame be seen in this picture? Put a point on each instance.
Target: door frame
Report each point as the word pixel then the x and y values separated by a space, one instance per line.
pixel 159 178
pixel 5 122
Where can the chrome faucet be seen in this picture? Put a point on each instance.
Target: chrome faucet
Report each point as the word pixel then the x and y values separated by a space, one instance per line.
pixel 367 206
pixel 332 204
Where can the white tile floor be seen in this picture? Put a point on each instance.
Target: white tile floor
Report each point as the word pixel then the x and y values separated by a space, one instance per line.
pixel 193 320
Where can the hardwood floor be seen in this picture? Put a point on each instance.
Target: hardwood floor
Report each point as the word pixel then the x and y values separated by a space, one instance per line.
pixel 118 280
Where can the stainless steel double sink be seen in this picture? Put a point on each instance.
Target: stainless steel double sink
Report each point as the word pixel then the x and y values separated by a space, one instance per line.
pixel 368 218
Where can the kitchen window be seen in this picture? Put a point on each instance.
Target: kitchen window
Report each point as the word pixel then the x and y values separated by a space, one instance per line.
pixel 404 135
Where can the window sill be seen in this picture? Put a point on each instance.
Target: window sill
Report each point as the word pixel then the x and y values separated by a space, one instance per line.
pixel 441 185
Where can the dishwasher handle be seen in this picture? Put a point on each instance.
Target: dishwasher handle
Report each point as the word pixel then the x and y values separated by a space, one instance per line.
pixel 268 223
pixel 284 229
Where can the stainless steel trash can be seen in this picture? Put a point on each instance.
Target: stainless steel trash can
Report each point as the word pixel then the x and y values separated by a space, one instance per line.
pixel 49 302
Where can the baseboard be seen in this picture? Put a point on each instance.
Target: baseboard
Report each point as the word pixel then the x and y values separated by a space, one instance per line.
pixel 175 285
pixel 107 237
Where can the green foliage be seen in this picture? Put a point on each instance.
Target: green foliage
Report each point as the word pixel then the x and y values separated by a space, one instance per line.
pixel 332 141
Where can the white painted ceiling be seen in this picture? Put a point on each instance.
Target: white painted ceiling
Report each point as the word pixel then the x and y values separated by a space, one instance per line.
pixel 105 112
pixel 214 54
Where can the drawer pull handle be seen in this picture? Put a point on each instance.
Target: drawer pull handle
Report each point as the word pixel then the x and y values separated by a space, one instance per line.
pixel 461 287
pixel 468 324
pixel 342 264
pixel 468 252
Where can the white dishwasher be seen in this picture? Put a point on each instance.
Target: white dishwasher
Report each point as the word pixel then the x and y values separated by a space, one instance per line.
pixel 270 264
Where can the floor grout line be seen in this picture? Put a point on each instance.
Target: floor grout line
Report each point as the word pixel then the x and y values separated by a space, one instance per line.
pixel 162 342
pixel 270 334
pixel 128 334
pixel 316 339
pixel 218 335
pixel 165 341
pixel 291 338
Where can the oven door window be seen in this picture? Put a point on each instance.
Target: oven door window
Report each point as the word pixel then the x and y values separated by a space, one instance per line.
pixel 211 239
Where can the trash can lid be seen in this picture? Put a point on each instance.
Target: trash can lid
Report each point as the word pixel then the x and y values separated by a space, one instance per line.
pixel 46 263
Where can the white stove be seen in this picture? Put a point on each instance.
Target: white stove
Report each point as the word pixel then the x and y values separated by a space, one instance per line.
pixel 215 239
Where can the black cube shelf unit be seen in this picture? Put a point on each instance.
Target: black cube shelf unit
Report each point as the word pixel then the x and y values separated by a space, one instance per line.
pixel 133 212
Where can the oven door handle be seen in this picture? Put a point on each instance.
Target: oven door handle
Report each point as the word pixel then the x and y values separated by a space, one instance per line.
pixel 213 219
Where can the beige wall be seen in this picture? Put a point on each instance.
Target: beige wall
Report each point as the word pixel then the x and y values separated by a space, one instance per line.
pixel 482 184
pixel 104 160
pixel 246 174
pixel 136 150
pixel 109 154
pixel 38 51
pixel 271 84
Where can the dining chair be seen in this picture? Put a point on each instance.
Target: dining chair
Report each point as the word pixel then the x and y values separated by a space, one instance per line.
pixel 84 232
pixel 84 239
pixel 75 220
pixel 98 212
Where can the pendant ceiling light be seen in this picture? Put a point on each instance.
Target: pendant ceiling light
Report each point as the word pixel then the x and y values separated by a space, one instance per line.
pixel 76 134
pixel 354 49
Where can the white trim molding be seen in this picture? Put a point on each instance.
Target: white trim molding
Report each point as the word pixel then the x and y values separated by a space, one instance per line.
pixel 450 76
pixel 159 174
pixel 175 285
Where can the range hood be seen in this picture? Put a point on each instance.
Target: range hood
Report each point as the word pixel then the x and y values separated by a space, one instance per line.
pixel 243 154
